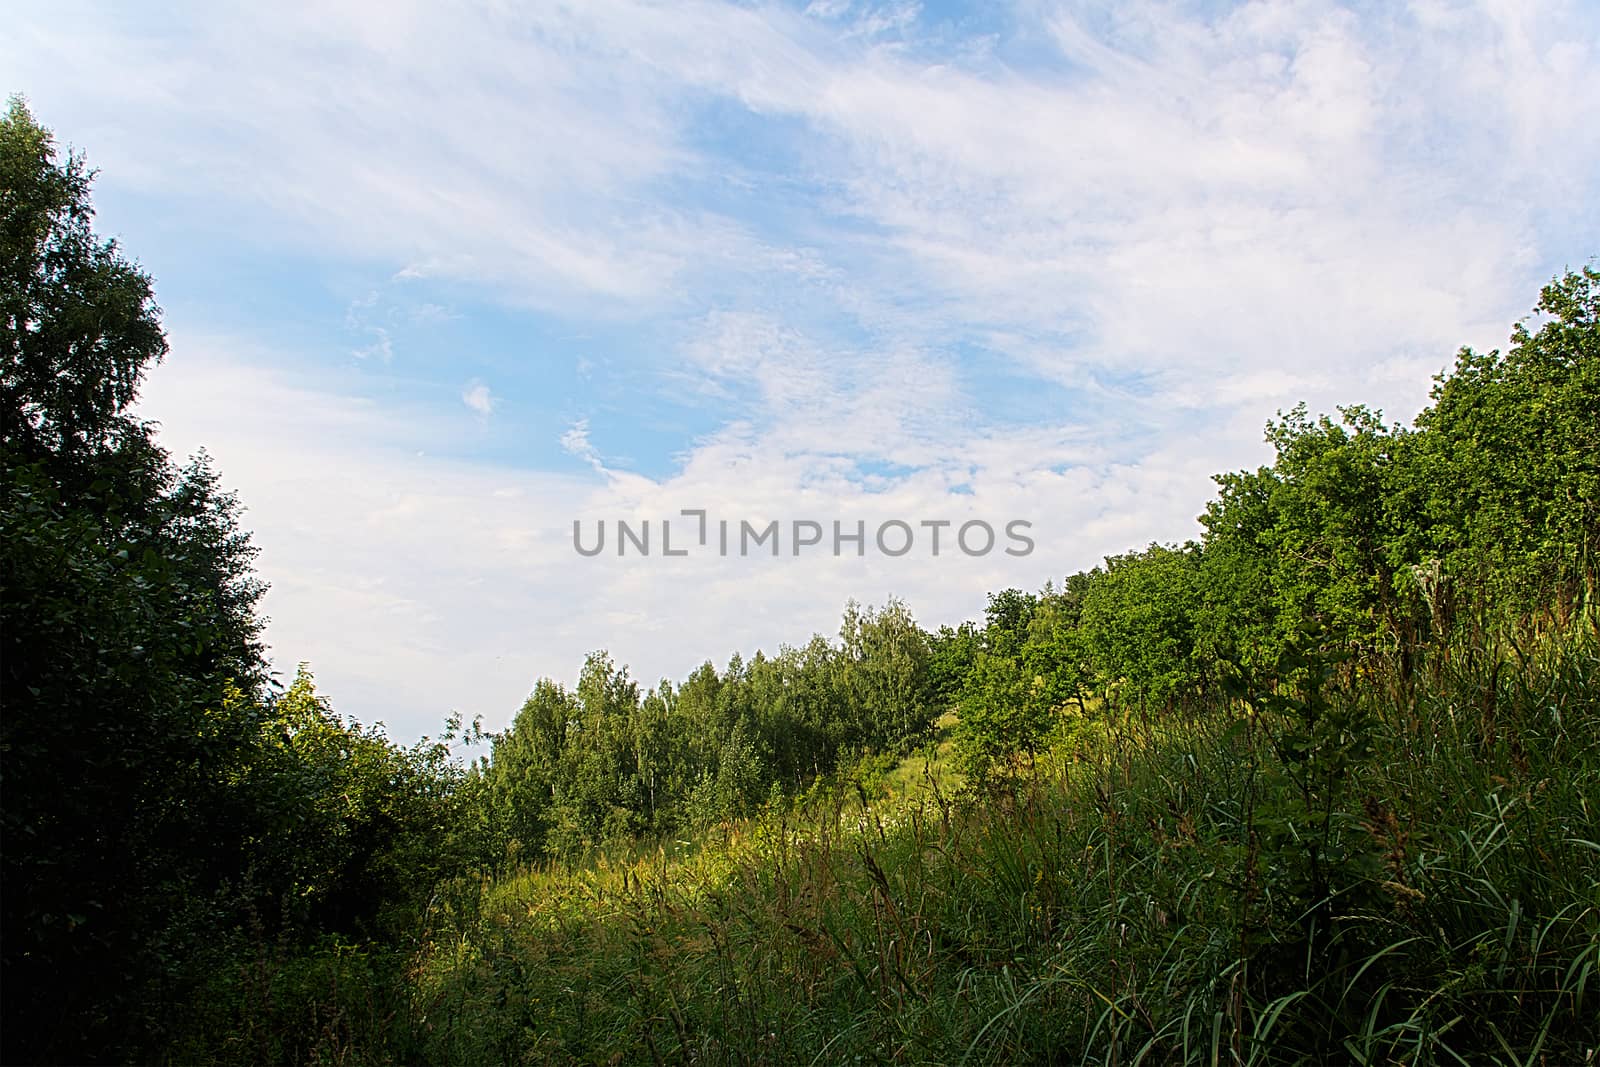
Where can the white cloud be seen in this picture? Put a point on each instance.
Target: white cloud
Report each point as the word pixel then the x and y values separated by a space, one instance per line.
pixel 479 145
pixel 576 443
pixel 429 314
pixel 827 9
pixel 476 396
pixel 416 585
pixel 382 346
pixel 1200 195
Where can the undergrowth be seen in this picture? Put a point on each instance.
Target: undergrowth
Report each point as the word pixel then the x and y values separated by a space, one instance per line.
pixel 1350 866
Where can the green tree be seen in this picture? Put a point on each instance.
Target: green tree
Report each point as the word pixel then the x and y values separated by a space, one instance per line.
pixel 1004 708
pixel 952 652
pixel 525 775
pixel 1508 472
pixel 598 794
pixel 1055 656
pixel 885 672
pixel 127 631
pixel 355 830
pixel 1139 624
pixel 1335 526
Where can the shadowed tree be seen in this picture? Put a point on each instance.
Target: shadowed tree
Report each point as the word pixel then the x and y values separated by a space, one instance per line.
pixel 126 621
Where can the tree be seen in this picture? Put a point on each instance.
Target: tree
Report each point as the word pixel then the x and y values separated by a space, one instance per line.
pixel 353 831
pixel 885 667
pixel 952 651
pixel 1055 656
pixel 1508 470
pixel 1139 624
pixel 525 769
pixel 81 326
pixel 1004 707
pixel 128 635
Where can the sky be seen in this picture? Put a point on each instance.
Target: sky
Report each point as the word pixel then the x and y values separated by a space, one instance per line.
pixel 441 280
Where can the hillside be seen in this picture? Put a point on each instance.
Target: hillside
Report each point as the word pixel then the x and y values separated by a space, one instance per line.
pixel 1321 786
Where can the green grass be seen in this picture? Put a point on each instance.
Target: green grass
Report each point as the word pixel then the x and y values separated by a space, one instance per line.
pixel 1407 873
pixel 1155 896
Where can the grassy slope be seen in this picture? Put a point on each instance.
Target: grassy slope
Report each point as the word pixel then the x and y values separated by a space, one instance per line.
pixel 1182 896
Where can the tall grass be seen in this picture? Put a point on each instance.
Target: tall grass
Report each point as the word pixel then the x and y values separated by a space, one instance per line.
pixel 1417 883
pixel 1366 867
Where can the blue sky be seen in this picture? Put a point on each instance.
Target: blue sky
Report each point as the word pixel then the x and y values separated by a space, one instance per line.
pixel 440 282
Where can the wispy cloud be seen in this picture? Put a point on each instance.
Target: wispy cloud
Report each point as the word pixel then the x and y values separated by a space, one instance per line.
pixel 381 346
pixel 576 443
pixel 1057 261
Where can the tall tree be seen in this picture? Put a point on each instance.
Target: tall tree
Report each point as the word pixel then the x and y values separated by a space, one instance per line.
pixel 127 618
pixel 1508 478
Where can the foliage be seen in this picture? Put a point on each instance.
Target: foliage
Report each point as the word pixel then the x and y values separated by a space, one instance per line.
pixel 1508 473
pixel 952 652
pixel 1138 624
pixel 577 771
pixel 156 796
pixel 126 619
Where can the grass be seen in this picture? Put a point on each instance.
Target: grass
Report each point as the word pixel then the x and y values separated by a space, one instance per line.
pixel 1187 894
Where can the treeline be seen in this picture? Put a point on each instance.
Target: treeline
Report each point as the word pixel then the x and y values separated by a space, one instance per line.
pixel 1366 541
pixel 605 762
